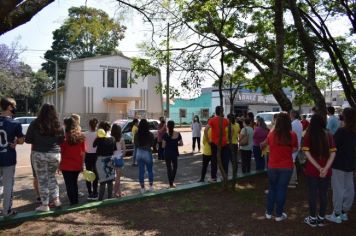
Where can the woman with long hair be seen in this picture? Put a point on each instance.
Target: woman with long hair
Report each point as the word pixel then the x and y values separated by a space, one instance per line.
pixel 259 135
pixel 282 143
pixel 196 132
pixel 105 147
pixel 319 150
pixel 90 159
pixel 46 134
pixel 72 157
pixel 120 152
pixel 171 141
pixel 144 141
pixel 246 148
pixel 342 179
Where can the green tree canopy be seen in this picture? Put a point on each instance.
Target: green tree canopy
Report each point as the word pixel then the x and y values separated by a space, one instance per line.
pixel 87 32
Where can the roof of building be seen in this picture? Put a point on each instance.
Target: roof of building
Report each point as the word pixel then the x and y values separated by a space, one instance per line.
pixel 98 57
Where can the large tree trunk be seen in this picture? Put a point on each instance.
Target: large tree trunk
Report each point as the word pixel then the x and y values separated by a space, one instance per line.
pixel 309 50
pixel 16 13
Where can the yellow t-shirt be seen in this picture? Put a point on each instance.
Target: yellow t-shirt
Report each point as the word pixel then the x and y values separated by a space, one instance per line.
pixel 206 144
pixel 134 131
pixel 235 129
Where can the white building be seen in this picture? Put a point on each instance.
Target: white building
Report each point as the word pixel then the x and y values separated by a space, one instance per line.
pixel 100 86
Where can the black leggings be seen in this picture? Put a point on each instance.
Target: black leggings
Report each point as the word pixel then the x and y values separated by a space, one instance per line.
pixel 90 160
pixel 102 189
pixel 197 139
pixel 317 186
pixel 172 165
pixel 246 161
pixel 71 182
pixel 206 160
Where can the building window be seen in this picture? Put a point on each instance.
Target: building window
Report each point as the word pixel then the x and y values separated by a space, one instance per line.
pixel 275 109
pixel 334 99
pixel 182 113
pixel 123 79
pixel 103 78
pixel 111 78
pixel 204 113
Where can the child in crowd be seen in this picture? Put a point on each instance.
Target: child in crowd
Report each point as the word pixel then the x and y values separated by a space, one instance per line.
pixel 319 149
pixel 282 143
pixel 72 156
pixel 196 132
pixel 105 147
pixel 144 141
pixel 206 155
pixel 118 154
pixel 90 159
pixel 170 143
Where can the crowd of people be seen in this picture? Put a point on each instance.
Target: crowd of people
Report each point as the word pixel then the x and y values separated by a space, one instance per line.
pixel 328 146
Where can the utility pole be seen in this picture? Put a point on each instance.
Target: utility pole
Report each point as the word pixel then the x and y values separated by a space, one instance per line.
pixel 168 74
pixel 56 83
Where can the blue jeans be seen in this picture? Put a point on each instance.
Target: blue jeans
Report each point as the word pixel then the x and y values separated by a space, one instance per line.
pixel 260 161
pixel 144 159
pixel 278 183
pixel 134 156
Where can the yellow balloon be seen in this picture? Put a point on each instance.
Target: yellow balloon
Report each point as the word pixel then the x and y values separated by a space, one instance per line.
pixel 89 175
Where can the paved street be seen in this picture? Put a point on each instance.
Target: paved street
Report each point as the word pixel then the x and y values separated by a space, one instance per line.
pixel 189 167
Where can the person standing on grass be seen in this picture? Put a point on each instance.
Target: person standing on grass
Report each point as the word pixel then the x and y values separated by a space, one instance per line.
pixel 232 131
pixel 319 149
pixel 333 122
pixel 297 128
pixel 196 132
pixel 10 136
pixel 213 124
pixel 46 134
pixel 170 143
pixel 118 154
pixel 90 159
pixel 72 158
pixel 133 133
pixel 105 147
pixel 282 143
pixel 259 135
pixel 162 129
pixel 144 141
pixel 246 148
pixel 206 155
pixel 343 168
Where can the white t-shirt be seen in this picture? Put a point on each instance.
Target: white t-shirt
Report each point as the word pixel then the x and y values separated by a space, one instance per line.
pixel 297 128
pixel 118 152
pixel 90 136
pixel 196 129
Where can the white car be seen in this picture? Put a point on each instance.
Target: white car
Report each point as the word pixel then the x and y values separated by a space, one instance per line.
pixel 25 122
pixel 267 117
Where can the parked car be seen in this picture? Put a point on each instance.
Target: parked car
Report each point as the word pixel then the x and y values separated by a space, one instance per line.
pixel 25 122
pixel 126 126
pixel 268 117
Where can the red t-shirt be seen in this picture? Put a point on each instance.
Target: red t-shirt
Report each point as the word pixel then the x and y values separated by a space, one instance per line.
pixel 215 130
pixel 72 156
pixel 280 156
pixel 305 124
pixel 310 169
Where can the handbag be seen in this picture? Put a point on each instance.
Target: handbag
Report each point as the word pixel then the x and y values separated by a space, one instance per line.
pixel 118 161
pixel 244 140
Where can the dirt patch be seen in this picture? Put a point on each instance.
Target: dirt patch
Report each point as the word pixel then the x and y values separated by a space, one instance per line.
pixel 201 212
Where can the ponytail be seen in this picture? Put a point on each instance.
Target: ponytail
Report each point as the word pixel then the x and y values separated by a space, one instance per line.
pixel 170 126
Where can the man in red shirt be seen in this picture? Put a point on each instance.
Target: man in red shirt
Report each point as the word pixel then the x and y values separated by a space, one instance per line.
pixel 216 133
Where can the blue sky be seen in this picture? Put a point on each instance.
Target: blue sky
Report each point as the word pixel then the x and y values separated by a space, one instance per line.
pixel 36 36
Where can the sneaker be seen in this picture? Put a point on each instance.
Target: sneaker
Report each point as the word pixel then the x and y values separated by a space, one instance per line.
pixel 311 221
pixel 142 190
pixel 321 221
pixel 268 216
pixel 344 217
pixel 42 208
pixel 151 189
pixel 90 196
pixel 282 217
pixel 57 203
pixel 10 213
pixel 334 218
pixel 95 196
pixel 201 181
pixel 172 186
pixel 212 181
pixel 80 194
